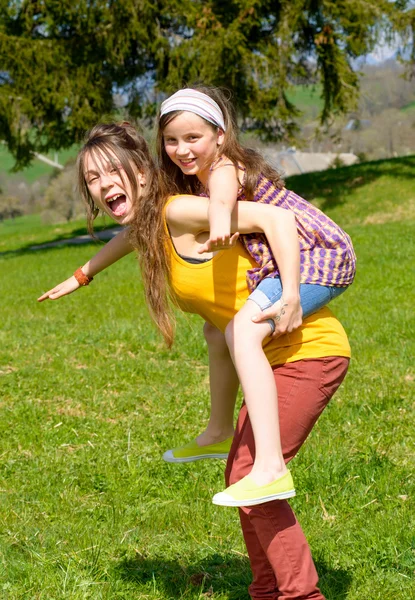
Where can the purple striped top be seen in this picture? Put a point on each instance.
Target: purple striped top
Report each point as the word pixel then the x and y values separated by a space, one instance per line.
pixel 326 251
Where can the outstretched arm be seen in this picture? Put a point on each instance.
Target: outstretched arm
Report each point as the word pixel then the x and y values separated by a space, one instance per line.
pixel 113 251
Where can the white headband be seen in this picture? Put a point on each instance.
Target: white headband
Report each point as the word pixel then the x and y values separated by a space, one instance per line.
pixel 196 102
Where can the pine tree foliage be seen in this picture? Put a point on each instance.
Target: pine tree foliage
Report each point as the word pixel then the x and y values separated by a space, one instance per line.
pixel 61 61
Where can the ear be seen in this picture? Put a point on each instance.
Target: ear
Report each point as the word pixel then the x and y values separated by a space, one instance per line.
pixel 220 137
pixel 141 178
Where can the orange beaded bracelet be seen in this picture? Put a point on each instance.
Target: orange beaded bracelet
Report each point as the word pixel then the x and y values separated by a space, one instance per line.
pixel 81 278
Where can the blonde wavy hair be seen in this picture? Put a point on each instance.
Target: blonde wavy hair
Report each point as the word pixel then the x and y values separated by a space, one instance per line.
pixel 121 145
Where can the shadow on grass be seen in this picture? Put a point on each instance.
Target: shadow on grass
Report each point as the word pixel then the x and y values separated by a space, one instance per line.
pixel 334 583
pixel 227 575
pixel 335 185
pixel 221 574
pixel 74 238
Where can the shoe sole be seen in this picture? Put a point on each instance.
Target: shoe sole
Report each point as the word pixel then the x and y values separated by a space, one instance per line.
pixel 255 501
pixel 173 459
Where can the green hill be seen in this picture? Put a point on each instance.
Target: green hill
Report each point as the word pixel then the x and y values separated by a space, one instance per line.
pixel 307 98
pixel 36 170
pixel 373 192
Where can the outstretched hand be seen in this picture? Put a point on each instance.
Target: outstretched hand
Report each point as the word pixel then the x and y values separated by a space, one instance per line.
pixel 63 289
pixel 219 243
pixel 286 314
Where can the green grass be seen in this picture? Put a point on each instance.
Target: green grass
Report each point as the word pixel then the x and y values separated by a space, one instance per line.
pixel 24 232
pixel 409 107
pixel 36 170
pixel 369 193
pixel 307 98
pixel 90 399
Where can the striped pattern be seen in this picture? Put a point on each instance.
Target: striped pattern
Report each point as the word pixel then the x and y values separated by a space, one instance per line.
pixel 326 251
pixel 195 102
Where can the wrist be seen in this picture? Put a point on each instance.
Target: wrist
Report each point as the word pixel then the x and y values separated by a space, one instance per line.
pixel 291 297
pixel 88 271
pixel 81 277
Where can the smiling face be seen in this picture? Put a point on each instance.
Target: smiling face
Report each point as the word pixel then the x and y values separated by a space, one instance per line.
pixel 110 187
pixel 192 144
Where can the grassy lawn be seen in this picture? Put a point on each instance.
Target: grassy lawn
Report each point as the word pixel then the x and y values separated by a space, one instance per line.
pixel 37 169
pixel 410 106
pixel 18 235
pixel 90 399
pixel 308 99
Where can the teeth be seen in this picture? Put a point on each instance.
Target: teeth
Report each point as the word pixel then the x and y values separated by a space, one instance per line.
pixel 114 198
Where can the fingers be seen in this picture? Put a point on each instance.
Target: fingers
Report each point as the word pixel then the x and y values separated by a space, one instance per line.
pixel 57 294
pixel 284 323
pixel 64 288
pixel 263 316
pixel 219 243
pixel 45 296
pixel 204 248
pixel 52 295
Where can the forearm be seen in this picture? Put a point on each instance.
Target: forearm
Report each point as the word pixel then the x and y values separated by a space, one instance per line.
pixel 281 233
pixel 118 247
pixel 190 214
pixel 280 229
pixel 223 192
pixel 219 215
pixel 113 251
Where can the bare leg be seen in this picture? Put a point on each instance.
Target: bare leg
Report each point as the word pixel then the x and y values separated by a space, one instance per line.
pixel 244 340
pixel 224 386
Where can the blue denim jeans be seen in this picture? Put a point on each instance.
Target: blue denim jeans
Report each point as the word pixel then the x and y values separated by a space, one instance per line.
pixel 312 296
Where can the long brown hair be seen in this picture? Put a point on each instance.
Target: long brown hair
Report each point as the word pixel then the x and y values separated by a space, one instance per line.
pixel 252 160
pixel 147 230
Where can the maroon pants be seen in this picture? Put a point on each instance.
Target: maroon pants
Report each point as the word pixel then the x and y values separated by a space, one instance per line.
pixel 280 557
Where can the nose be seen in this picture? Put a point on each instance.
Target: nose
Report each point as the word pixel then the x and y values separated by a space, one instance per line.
pixel 106 180
pixel 182 149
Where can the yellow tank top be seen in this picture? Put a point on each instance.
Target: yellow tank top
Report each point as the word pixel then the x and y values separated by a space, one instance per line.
pixel 217 289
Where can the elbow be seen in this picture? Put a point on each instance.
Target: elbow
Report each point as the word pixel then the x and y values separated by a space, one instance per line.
pixel 289 216
pixel 281 217
pixel 288 220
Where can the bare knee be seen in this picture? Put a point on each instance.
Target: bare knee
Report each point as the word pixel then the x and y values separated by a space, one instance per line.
pixel 236 330
pixel 243 333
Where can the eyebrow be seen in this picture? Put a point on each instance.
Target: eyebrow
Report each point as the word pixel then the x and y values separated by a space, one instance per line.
pixel 98 171
pixel 183 133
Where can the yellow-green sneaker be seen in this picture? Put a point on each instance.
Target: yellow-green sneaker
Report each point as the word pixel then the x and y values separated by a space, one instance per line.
pixel 192 451
pixel 247 493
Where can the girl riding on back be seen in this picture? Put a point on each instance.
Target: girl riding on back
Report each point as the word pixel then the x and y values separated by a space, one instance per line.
pixel 118 178
pixel 200 153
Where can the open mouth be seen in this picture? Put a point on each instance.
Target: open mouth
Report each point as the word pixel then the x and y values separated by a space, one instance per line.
pixel 188 163
pixel 118 205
